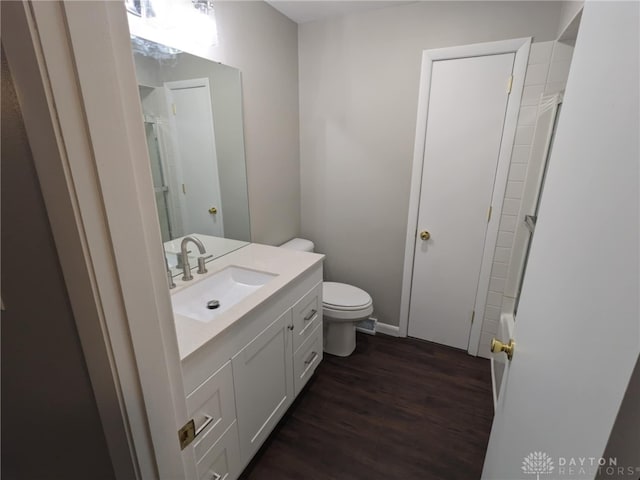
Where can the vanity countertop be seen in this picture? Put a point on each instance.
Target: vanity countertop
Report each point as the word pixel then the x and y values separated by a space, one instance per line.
pixel 286 264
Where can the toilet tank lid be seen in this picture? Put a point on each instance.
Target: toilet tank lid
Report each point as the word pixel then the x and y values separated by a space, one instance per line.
pixel 300 244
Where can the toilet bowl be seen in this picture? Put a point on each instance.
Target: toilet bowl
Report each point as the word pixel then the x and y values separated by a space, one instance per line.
pixel 342 307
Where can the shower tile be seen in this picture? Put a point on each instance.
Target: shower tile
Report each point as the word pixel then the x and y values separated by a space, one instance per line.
pixel 561 52
pixel 503 254
pixel 524 135
pixel 490 326
pixel 536 74
pixel 559 71
pixel 505 239
pixel 511 206
pixel 531 95
pixel 497 284
pixel 492 313
pixel 520 154
pixel 508 223
pixel 494 299
pixel 514 189
pixel 540 52
pixel 555 87
pixel 517 173
pixel 527 115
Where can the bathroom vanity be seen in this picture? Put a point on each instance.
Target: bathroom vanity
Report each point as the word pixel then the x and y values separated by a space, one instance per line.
pixel 246 360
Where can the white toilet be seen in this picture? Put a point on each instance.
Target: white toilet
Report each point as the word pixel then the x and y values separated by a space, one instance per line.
pixel 342 305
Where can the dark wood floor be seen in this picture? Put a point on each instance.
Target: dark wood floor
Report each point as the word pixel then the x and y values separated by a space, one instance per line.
pixel 396 409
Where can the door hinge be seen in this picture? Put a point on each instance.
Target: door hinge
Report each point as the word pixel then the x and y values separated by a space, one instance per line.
pixel 187 434
pixel 473 315
pixel 509 83
pixel 489 213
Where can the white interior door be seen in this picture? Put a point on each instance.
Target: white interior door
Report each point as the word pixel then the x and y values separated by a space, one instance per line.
pixel 466 113
pixel 197 158
pixel 577 331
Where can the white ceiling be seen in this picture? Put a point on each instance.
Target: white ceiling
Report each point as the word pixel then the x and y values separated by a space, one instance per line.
pixel 303 11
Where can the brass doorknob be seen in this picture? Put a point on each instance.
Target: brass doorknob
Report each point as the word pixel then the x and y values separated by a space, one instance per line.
pixel 424 235
pixel 508 348
pixel 213 210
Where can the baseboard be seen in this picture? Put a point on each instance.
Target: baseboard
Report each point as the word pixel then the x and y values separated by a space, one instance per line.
pixel 387 329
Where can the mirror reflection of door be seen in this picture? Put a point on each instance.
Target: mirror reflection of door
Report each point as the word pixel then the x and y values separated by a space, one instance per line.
pixel 196 159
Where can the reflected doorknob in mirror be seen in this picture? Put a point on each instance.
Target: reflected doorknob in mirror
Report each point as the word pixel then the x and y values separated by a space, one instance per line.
pixel 213 210
pixel 424 235
pixel 508 348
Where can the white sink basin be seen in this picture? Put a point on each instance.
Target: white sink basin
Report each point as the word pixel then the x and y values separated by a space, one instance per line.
pixel 228 287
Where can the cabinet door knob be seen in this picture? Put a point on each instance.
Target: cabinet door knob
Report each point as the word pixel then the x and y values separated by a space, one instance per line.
pixel 290 327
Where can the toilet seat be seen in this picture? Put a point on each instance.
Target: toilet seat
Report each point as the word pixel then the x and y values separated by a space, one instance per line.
pixel 343 297
pixel 342 302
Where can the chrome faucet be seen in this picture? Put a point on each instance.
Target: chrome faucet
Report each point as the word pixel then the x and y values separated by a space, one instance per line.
pixel 186 268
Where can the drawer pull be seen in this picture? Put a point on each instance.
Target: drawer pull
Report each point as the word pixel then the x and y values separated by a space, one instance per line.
pixel 207 421
pixel 313 356
pixel 311 315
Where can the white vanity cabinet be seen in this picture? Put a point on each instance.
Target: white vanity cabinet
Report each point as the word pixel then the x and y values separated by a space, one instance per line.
pixel 243 380
pixel 263 383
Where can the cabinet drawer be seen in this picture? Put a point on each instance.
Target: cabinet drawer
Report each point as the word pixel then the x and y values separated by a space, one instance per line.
pixel 307 358
pixel 212 407
pixel 222 460
pixel 307 315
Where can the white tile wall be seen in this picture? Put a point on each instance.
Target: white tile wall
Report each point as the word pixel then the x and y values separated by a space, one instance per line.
pixel 547 73
pixel 520 153
pixel 537 74
pixel 518 172
pixel 540 53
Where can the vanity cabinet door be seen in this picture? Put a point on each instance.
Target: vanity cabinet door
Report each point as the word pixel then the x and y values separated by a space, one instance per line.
pixel 263 379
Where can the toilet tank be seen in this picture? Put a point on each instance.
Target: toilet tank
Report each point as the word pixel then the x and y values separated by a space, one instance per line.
pixel 300 244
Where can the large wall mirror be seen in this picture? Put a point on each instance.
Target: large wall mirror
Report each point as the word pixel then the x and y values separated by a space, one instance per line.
pixel 193 124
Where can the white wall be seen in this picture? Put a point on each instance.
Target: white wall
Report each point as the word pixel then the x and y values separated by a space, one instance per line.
pixel 359 78
pixel 263 44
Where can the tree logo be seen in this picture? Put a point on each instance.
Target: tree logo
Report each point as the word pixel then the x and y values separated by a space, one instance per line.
pixel 537 463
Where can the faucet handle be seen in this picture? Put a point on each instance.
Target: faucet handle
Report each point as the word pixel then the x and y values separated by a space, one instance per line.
pixel 201 266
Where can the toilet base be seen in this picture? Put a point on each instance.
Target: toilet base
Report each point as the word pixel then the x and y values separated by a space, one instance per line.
pixel 339 338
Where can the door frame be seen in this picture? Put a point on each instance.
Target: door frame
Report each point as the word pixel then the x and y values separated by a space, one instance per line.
pixel 83 122
pixel 520 47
